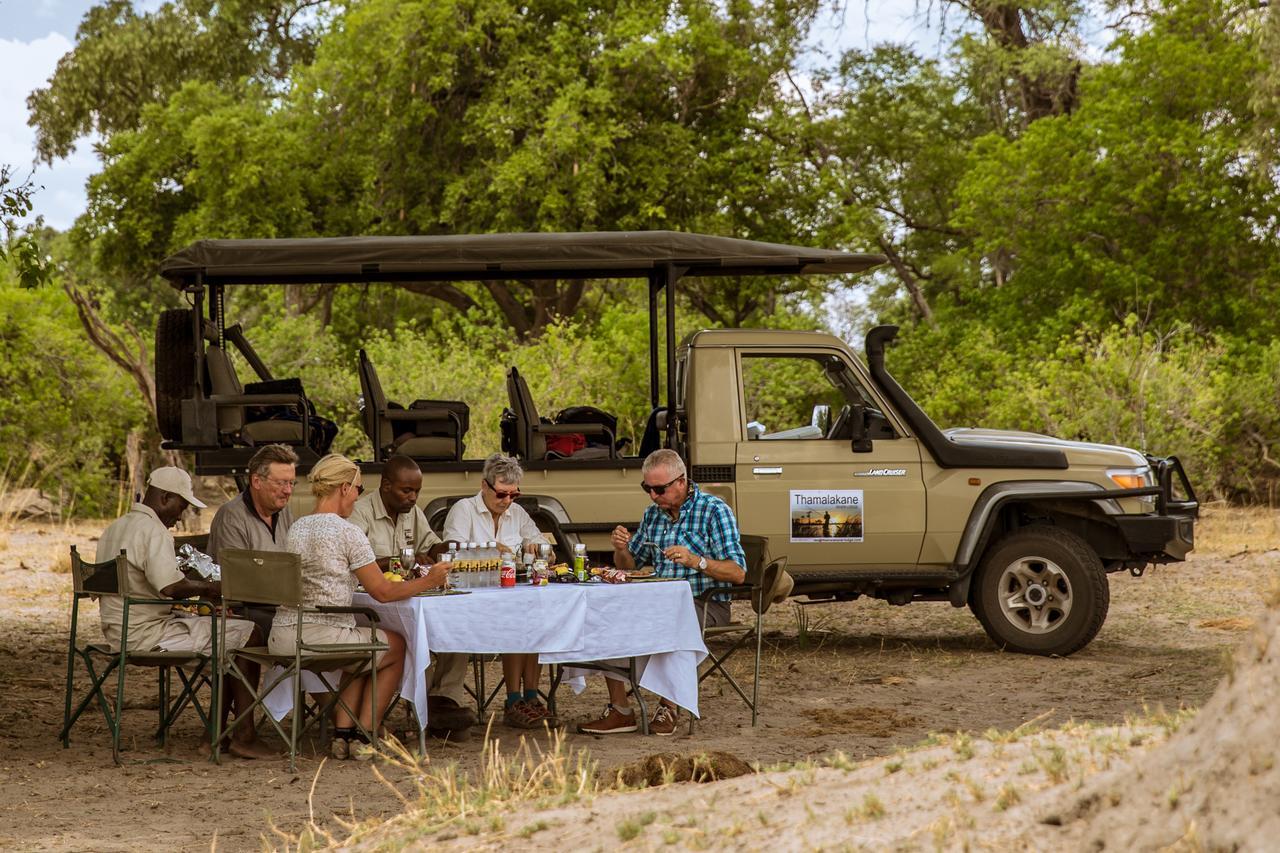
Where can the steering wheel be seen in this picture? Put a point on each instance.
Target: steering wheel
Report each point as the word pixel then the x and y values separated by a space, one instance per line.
pixel 841 422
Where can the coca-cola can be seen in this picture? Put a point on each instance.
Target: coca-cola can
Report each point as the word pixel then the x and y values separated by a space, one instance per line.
pixel 508 574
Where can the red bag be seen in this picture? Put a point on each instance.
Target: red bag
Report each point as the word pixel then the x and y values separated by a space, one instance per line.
pixel 567 444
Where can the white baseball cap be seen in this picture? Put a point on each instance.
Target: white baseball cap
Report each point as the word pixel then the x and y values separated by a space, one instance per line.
pixel 175 480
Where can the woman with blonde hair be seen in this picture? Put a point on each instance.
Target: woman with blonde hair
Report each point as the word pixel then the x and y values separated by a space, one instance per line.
pixel 335 555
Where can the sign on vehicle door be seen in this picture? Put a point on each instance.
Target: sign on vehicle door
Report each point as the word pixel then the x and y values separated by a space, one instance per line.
pixel 826 515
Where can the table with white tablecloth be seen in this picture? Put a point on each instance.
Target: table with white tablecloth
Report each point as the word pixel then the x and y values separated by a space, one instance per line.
pixel 654 622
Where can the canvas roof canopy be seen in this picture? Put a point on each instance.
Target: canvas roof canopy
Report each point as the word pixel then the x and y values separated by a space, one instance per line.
pixel 472 257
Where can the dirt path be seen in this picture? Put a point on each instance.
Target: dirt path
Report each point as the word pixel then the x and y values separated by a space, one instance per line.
pixel 863 678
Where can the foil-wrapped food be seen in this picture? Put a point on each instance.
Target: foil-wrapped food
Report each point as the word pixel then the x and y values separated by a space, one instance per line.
pixel 191 559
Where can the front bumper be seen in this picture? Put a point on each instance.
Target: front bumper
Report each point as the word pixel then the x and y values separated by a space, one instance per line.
pixel 1168 534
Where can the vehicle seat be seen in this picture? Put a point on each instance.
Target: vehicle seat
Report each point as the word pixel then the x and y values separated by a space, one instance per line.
pixel 231 401
pixel 531 431
pixel 430 430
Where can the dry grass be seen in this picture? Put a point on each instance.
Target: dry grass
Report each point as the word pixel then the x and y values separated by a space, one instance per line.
pixel 1236 530
pixel 445 802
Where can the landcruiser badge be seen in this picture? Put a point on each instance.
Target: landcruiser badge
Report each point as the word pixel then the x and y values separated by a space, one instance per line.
pixel 882 472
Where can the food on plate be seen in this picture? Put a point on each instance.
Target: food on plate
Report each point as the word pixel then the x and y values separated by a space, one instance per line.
pixel 393 577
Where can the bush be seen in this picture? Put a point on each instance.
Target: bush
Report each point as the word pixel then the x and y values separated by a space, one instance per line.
pixel 1212 403
pixel 66 410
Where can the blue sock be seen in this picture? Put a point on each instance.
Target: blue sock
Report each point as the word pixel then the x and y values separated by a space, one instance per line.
pixel 513 698
pixel 531 696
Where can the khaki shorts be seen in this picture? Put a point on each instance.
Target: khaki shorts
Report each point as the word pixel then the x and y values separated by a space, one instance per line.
pixel 191 634
pixel 284 640
pixel 718 613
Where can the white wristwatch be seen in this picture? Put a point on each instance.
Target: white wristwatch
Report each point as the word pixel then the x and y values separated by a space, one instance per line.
pixel 702 564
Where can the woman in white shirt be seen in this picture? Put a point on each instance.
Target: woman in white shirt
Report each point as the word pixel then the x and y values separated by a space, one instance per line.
pixel 493 514
pixel 335 554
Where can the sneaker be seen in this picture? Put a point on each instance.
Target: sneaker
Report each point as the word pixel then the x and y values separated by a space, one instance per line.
pixel 664 721
pixel 340 748
pixel 521 716
pixel 614 722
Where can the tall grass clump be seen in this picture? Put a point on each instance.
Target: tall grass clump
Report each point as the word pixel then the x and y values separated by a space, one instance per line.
pixel 446 801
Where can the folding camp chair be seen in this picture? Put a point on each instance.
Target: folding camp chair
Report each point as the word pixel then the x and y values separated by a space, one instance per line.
pixel 111 577
pixel 271 577
pixel 759 583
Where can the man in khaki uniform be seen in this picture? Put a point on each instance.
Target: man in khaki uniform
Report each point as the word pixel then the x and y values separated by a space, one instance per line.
pixel 258 518
pixel 143 535
pixel 393 521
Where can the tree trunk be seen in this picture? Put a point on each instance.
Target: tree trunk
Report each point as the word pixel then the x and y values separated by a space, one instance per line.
pixel 129 352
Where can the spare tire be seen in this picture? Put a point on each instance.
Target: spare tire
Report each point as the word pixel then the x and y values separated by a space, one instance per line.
pixel 174 369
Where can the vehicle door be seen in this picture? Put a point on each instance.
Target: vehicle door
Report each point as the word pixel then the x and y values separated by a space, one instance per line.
pixel 799 480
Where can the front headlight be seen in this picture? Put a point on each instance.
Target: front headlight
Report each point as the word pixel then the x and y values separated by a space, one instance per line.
pixel 1132 478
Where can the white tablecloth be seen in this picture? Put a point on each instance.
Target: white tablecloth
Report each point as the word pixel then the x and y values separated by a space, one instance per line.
pixel 563 623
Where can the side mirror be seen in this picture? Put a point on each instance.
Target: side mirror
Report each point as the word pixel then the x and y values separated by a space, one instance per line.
pixel 821 417
pixel 755 429
pixel 860 443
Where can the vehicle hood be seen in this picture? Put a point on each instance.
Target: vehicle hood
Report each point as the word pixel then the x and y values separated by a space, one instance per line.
pixel 1078 452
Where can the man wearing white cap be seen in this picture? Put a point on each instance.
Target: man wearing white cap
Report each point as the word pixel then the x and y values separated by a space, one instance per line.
pixel 143 534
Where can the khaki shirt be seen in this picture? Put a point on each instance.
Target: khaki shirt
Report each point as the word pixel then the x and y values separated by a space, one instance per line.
pixel 388 535
pixel 238 525
pixel 148 547
pixel 469 520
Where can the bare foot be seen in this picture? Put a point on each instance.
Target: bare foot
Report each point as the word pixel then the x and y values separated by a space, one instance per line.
pixel 251 749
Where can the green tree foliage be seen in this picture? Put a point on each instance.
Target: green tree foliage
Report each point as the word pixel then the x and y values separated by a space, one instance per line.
pixel 1146 200
pixel 66 411
pixel 1079 243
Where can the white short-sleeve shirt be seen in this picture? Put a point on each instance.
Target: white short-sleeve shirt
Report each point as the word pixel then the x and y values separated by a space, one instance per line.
pixel 469 520
pixel 331 548
pixel 148 547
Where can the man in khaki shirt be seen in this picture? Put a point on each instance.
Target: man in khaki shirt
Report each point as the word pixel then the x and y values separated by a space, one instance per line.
pixel 258 518
pixel 143 535
pixel 393 521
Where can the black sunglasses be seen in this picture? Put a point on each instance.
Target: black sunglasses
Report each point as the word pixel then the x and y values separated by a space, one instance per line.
pixel 502 496
pixel 658 490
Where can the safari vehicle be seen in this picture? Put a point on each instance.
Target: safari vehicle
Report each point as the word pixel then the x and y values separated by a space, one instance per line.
pixel 825 456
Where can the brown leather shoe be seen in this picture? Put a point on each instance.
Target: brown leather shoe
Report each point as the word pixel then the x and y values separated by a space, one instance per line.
pixel 664 721
pixel 444 713
pixel 614 722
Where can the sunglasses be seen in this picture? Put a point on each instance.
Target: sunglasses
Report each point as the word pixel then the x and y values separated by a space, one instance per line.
pixel 658 490
pixel 502 496
pixel 359 487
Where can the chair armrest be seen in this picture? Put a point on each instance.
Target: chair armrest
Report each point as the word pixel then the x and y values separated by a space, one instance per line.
pixel 417 415
pixel 569 429
pixel 259 400
pixel 129 602
pixel 735 590
pixel 363 611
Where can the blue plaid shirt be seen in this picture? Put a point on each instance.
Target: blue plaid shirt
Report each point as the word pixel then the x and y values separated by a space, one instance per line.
pixel 706 527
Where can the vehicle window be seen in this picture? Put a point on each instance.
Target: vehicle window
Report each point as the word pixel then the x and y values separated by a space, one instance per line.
pixel 795 397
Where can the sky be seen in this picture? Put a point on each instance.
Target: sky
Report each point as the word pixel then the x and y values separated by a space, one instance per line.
pixel 34 35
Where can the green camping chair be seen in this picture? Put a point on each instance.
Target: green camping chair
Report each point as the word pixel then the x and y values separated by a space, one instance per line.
pixel 111 577
pixel 272 577
pixel 760 581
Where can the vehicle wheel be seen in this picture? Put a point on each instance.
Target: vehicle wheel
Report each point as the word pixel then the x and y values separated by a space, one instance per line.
pixel 174 370
pixel 1041 591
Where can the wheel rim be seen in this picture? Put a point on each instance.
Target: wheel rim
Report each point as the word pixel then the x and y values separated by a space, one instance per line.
pixel 1035 595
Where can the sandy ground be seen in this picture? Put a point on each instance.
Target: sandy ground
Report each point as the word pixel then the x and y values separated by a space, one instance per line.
pixel 863 679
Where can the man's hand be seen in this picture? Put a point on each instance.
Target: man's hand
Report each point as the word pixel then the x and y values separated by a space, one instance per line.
pixel 620 537
pixel 437 574
pixel 682 555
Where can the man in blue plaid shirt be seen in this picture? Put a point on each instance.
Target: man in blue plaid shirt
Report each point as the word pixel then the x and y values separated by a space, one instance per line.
pixel 686 534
